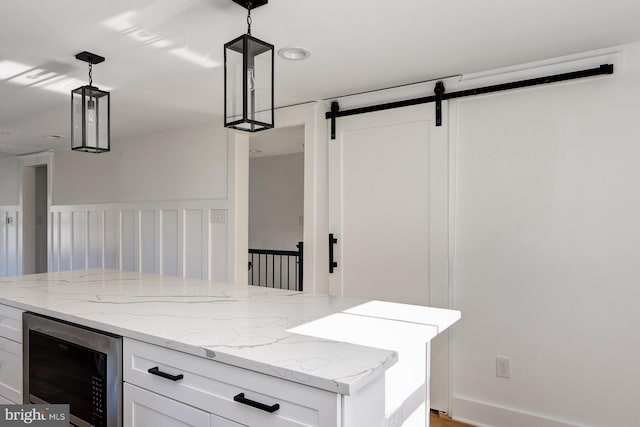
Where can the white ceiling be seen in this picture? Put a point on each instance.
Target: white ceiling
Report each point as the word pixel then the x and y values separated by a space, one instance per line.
pixel 356 45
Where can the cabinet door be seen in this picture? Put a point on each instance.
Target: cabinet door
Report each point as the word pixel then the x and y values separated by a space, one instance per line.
pixel 217 421
pixel 143 408
pixel 5 401
pixel 11 323
pixel 11 370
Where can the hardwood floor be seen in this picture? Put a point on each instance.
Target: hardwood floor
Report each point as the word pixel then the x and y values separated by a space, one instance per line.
pixel 444 421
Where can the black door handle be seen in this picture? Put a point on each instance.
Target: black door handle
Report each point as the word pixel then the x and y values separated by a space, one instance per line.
pixel 271 409
pixel 332 264
pixel 158 372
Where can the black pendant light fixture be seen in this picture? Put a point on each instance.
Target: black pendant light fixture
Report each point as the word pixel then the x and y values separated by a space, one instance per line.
pixel 248 79
pixel 90 113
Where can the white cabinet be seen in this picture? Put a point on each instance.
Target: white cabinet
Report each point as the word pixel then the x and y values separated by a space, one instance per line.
pixel 4 401
pixel 144 409
pixel 245 397
pixel 11 323
pixel 10 355
pixel 11 370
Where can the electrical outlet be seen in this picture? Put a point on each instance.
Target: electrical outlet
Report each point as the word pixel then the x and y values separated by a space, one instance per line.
pixel 219 216
pixel 9 220
pixel 503 367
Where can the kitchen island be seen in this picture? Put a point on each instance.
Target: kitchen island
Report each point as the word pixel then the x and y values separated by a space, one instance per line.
pixel 238 327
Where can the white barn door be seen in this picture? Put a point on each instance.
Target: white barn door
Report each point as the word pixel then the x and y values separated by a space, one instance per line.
pixel 388 210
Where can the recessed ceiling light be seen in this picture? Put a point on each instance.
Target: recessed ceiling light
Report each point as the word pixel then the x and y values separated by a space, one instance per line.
pixel 54 136
pixel 294 53
pixel 255 151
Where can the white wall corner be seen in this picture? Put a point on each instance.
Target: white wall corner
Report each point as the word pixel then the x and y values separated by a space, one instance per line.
pixel 44 158
pixel 311 115
pixel 239 208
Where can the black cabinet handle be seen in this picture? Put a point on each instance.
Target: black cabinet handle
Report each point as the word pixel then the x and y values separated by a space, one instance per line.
pixel 332 264
pixel 158 372
pixel 271 409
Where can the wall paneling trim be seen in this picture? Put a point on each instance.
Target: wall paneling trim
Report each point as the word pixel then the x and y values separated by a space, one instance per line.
pixel 172 238
pixel 9 216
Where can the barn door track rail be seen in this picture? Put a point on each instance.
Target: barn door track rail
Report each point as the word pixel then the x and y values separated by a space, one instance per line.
pixel 440 95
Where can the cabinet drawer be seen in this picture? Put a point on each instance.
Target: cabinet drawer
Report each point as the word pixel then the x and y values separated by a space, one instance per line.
pixel 11 370
pixel 212 386
pixel 11 323
pixel 143 408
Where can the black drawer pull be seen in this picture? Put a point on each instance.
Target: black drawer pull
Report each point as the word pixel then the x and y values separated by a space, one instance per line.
pixel 271 409
pixel 158 372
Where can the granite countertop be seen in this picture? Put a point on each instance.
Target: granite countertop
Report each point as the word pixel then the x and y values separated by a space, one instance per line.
pixel 244 326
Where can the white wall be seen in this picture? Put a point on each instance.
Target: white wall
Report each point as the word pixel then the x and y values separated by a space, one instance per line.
pixel 9 240
pixel 29 220
pixel 547 250
pixel 276 201
pixel 316 225
pixel 182 164
pixel 8 210
pixel 145 206
pixel 8 181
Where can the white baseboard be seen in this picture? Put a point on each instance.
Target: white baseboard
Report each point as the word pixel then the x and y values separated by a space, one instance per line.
pixel 483 414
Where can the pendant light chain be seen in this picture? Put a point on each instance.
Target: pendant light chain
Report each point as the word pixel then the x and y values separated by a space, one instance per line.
pixel 249 18
pixel 90 74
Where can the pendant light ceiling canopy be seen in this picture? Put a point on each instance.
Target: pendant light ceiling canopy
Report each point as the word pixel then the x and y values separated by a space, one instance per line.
pixel 90 113
pixel 248 79
pixel 251 4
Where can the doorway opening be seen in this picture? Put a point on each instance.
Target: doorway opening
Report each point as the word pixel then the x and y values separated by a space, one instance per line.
pixel 276 208
pixel 34 219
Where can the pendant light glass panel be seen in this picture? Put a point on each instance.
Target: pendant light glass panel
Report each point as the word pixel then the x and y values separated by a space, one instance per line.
pixel 90 120
pixel 248 84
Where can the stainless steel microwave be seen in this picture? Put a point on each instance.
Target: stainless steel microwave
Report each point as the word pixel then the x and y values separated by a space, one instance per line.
pixel 68 363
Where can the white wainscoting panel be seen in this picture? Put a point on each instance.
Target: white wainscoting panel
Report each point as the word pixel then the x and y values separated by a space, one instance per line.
pixel 195 243
pixel 54 250
pixel 3 242
pixel 112 240
pixel 66 232
pixel 148 244
pixel 129 238
pixel 95 239
pixel 171 238
pixel 13 244
pixel 218 236
pixel 9 216
pixel 79 241
pixel 170 243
